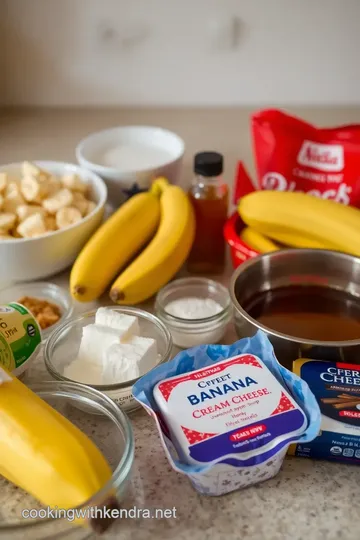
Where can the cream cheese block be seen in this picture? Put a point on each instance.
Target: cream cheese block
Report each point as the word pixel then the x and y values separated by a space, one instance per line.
pixel 126 325
pixel 111 352
pixel 129 360
pixel 95 341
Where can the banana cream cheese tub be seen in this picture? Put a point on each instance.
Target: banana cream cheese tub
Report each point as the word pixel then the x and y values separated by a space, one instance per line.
pixel 20 337
pixel 235 409
pixel 227 414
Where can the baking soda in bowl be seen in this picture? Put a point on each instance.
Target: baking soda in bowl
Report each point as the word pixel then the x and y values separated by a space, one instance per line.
pixel 191 327
pixel 226 415
pixel 195 310
pixel 133 157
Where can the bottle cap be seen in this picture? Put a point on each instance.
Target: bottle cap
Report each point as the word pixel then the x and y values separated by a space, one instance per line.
pixel 208 164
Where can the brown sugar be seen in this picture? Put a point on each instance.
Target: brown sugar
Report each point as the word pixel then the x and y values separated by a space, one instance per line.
pixel 46 313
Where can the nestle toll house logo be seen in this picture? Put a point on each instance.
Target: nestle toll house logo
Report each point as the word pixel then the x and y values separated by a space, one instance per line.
pixel 324 157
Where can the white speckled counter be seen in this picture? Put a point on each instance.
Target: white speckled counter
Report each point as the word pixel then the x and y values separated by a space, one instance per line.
pixel 308 500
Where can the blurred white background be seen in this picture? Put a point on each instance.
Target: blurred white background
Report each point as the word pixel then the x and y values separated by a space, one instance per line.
pixel 174 53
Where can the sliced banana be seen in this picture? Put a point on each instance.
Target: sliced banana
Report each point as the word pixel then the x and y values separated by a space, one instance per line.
pixel 80 203
pixel 33 189
pixel 73 181
pixel 91 207
pixel 53 185
pixel 67 216
pixel 50 223
pixel 79 196
pixel 3 181
pixel 32 226
pixel 23 211
pixel 12 188
pixel 61 199
pixel 12 201
pixel 37 202
pixel 30 169
pixel 14 233
pixel 7 221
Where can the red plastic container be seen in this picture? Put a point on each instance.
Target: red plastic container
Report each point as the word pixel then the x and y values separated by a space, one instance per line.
pixel 292 155
pixel 240 251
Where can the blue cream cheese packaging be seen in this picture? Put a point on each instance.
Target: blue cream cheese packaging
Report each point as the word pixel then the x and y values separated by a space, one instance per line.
pixel 336 387
pixel 226 415
pixel 234 409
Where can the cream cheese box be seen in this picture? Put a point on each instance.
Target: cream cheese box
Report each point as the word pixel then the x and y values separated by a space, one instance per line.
pixel 336 386
pixel 226 414
pixel 235 409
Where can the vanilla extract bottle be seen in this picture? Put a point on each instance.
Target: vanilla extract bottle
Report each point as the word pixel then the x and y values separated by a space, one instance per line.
pixel 209 195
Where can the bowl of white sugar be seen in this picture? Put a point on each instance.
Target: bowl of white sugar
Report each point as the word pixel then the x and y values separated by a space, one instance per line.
pixel 108 349
pixel 195 310
pixel 128 158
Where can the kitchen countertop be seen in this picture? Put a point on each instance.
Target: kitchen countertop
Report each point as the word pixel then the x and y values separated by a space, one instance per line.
pixel 308 500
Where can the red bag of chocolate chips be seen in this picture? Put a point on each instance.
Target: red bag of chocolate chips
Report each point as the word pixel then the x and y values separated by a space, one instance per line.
pixel 292 155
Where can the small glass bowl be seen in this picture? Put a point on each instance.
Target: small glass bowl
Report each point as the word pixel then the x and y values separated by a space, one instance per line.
pixel 43 291
pixel 63 346
pixel 111 433
pixel 188 333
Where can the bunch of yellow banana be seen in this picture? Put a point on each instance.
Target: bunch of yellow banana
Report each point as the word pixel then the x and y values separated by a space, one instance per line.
pixel 163 219
pixel 258 241
pixel 44 453
pixel 300 220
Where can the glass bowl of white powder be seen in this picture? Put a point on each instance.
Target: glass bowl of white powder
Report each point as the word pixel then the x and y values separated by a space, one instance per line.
pixel 195 310
pixel 63 350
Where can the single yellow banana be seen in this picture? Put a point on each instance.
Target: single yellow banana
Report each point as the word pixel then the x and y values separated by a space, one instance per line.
pixel 165 254
pixel 257 241
pixel 113 245
pixel 325 222
pixel 298 240
pixel 45 454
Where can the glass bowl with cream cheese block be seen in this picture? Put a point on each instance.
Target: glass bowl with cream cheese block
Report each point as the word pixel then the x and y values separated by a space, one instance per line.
pixel 195 310
pixel 108 349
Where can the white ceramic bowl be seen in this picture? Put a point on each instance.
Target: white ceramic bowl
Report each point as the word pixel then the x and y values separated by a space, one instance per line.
pixel 26 259
pixel 130 178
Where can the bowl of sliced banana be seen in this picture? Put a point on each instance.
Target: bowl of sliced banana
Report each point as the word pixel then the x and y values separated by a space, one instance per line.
pixel 48 210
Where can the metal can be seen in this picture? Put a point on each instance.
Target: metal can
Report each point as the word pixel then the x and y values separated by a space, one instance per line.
pixel 20 337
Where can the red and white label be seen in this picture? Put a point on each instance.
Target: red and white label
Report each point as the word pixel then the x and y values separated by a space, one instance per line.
pixel 227 396
pixel 248 433
pixel 324 157
pixel 293 155
pixel 350 414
